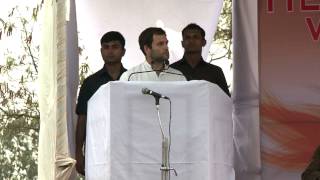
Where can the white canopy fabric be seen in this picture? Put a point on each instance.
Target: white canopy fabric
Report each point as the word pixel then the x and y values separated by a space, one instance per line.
pixel 96 17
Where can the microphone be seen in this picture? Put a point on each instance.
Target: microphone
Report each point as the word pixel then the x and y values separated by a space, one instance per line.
pixel 139 72
pixel 165 64
pixel 165 70
pixel 156 95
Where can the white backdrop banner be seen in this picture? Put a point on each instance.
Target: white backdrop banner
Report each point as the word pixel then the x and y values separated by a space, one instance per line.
pixel 96 17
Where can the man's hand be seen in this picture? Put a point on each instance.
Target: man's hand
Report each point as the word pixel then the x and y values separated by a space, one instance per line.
pixel 80 163
pixel 80 138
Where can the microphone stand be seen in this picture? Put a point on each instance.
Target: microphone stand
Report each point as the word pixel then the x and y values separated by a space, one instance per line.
pixel 165 166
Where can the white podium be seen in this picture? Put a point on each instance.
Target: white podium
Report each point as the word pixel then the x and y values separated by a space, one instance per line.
pixel 124 139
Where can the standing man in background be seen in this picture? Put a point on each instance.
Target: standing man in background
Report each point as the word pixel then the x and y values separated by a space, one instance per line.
pixel 192 64
pixel 112 50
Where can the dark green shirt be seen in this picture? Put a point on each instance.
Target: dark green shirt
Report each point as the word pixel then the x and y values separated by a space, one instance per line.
pixel 90 85
pixel 313 170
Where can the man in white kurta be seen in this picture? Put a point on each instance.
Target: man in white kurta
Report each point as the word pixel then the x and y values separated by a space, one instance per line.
pixel 144 72
pixel 154 45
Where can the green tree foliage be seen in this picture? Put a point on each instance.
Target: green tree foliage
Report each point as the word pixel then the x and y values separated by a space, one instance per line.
pixel 223 35
pixel 19 111
pixel 19 107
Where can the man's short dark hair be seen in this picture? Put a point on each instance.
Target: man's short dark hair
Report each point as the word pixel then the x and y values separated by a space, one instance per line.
pixel 194 26
pixel 113 36
pixel 146 37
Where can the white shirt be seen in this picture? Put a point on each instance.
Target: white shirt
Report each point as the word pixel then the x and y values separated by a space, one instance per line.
pixel 144 72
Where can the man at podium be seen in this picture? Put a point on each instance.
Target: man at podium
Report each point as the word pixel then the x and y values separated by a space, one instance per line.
pixel 154 45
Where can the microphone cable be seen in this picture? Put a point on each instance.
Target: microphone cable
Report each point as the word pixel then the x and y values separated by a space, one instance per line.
pixel 163 71
pixel 139 72
pixel 169 146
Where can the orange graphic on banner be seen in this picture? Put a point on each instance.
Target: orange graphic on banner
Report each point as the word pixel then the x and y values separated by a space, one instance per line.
pixel 296 133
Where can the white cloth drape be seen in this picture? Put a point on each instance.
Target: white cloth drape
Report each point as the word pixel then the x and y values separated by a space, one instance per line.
pixel 124 139
pixel 58 82
pixel 246 91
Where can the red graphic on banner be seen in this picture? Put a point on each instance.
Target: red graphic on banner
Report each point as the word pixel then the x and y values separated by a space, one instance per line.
pixel 289 37
pixel 306 7
pixel 315 31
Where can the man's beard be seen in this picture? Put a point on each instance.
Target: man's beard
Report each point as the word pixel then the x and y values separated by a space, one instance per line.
pixel 158 63
pixel 158 59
